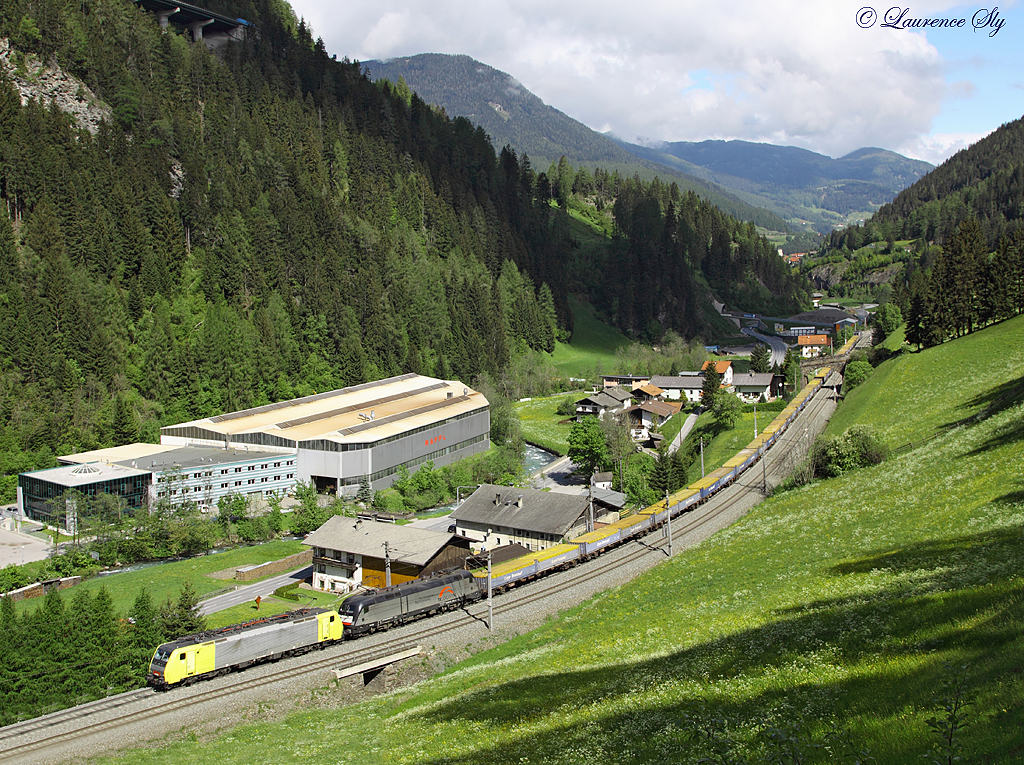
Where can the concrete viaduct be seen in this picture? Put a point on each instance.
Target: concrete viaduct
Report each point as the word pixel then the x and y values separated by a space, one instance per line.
pixel 211 28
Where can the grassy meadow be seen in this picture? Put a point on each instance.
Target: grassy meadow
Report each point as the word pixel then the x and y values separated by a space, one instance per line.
pixel 165 580
pixel 593 344
pixel 915 395
pixel 542 425
pixel 722 447
pixel 833 623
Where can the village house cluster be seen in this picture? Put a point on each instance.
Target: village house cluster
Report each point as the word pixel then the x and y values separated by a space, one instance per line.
pixel 647 401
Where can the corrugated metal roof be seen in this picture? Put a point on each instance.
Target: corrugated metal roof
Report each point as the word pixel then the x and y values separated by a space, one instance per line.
pixel 403 415
pixel 308 399
pixel 546 512
pixel 363 407
pixel 406 544
pixel 400 403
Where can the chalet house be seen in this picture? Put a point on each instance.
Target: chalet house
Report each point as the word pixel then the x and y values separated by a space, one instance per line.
pixel 648 414
pixel 601 481
pixel 686 385
pixel 349 553
pixel 724 369
pixel 753 386
pixel 647 392
pixel 813 345
pixel 607 401
pixel 499 515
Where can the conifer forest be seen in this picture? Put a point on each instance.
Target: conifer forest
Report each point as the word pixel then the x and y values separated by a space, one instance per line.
pixel 264 222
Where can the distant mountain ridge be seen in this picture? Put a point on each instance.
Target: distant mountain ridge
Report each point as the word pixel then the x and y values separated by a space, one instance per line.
pixel 797 184
pixel 512 115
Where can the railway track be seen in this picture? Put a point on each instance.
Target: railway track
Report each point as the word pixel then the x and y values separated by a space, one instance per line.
pixel 32 738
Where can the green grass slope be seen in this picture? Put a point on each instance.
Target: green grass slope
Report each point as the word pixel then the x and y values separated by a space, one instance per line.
pixel 165 580
pixel 913 396
pixel 849 604
pixel 593 344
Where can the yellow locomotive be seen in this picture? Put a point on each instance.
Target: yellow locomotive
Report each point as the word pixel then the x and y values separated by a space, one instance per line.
pixel 217 652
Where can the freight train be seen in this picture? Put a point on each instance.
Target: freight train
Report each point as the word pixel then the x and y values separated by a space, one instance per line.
pixel 217 652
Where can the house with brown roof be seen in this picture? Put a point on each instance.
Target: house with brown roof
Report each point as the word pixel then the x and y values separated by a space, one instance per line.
pixel 643 417
pixel 814 345
pixel 647 392
pixel 724 369
pixel 349 553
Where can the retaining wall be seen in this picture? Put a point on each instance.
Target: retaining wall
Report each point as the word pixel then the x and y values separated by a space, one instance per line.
pixel 39 589
pixel 248 573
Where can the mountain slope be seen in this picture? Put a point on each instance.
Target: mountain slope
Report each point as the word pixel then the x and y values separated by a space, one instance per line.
pixel 797 184
pixel 985 180
pixel 264 222
pixel 512 115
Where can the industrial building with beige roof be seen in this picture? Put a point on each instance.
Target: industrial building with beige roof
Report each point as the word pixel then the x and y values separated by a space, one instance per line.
pixel 369 430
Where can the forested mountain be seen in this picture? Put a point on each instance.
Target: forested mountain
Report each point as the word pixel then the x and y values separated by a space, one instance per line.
pixel 964 265
pixel 797 184
pixel 267 222
pixel 512 115
pixel 984 181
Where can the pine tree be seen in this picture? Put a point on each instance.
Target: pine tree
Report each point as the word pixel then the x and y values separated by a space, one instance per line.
pixel 144 634
pixel 760 359
pixel 182 617
pixel 712 384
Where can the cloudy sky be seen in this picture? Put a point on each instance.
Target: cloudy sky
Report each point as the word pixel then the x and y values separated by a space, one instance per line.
pixel 826 76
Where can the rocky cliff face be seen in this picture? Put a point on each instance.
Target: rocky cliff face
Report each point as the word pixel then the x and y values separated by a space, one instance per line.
pixel 49 82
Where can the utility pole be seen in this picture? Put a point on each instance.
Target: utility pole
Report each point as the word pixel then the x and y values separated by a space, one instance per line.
pixel 590 506
pixel 490 600
pixel 702 456
pixel 764 472
pixel 755 419
pixel 668 512
pixel 387 565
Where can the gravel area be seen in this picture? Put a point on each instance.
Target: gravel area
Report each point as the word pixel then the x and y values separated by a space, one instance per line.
pixel 320 689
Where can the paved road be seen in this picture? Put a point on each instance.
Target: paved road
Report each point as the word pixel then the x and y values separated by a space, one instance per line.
pixel 248 593
pixel 560 476
pixel 21 548
pixel 776 344
pixel 691 420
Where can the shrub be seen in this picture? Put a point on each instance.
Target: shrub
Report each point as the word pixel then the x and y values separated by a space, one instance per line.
pixel 856 373
pixel 389 500
pixel 880 353
pixel 857 447
pixel 567 406
pixel 288 591
pixel 12 577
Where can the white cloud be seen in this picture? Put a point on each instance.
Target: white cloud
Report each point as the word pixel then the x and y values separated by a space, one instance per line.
pixel 938 147
pixel 788 72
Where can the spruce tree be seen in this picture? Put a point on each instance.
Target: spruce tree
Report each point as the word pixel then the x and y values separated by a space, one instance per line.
pixel 712 385
pixel 760 359
pixel 143 635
